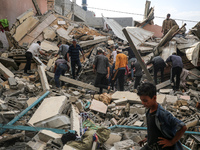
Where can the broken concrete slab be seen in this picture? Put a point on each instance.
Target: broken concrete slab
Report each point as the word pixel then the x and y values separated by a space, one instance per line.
pixel 7 62
pixel 25 27
pixel 165 91
pixel 67 147
pixel 75 121
pixel 60 121
pixel 53 105
pixel 161 99
pixel 120 101
pixel 38 30
pixel 126 144
pixel 184 97
pixel 96 40
pixel 61 22
pixel 5 72
pixel 12 82
pixel 171 99
pixel 31 100
pixel 47 46
pixel 43 78
pixel 98 106
pixel 25 15
pixel 65 33
pixel 49 34
pixel 46 135
pixel 130 96
pixel 114 137
pixel 163 84
pixel 74 82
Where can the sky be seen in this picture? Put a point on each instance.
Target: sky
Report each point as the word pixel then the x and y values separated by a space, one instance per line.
pixel 179 9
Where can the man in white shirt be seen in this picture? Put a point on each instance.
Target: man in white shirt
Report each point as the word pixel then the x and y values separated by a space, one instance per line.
pixel 34 50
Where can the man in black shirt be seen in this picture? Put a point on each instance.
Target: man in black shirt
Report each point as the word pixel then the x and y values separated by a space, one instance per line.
pixel 101 66
pixel 74 53
pixel 158 64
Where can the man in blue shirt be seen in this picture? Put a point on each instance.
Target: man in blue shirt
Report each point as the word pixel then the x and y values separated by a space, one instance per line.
pixel 60 69
pixel 74 53
pixel 177 66
pixel 163 129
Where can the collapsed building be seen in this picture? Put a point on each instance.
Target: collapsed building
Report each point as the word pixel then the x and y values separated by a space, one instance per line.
pixel 35 115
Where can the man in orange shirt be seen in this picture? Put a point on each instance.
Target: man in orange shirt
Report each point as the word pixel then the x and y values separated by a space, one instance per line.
pixel 120 68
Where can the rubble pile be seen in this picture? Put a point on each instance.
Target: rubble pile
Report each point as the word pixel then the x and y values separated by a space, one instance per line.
pixel 36 115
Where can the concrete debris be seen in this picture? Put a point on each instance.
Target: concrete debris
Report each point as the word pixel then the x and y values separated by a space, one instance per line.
pixel 61 120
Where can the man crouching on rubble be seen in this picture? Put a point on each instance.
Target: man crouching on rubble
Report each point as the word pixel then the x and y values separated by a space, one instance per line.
pixel 163 130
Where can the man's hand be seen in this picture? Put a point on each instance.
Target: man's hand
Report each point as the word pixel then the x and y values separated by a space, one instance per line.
pixel 164 142
pixel 141 143
pixel 107 76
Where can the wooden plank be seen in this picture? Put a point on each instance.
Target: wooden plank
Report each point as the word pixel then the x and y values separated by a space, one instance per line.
pixel 74 82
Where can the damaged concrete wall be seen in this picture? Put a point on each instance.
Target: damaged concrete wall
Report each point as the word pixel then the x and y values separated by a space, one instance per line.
pixel 11 9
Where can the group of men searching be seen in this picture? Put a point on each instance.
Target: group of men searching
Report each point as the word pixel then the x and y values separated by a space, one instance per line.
pixel 65 54
pixel 106 75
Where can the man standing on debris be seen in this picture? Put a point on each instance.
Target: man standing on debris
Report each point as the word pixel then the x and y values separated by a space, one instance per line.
pixel 131 59
pixel 114 53
pixel 158 64
pixel 60 69
pixel 101 66
pixel 120 68
pixel 138 73
pixel 63 49
pixel 177 66
pixel 74 53
pixel 34 50
pixel 163 129
pixel 167 24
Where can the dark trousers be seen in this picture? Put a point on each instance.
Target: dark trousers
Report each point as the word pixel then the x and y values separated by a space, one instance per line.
pixel 73 66
pixel 101 81
pixel 137 81
pixel 60 70
pixel 28 61
pixel 156 69
pixel 119 74
pixel 176 71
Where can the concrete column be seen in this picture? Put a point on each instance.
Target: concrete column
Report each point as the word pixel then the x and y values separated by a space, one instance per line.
pixel 137 55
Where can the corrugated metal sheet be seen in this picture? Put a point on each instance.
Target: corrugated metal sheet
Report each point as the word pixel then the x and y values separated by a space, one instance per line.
pixel 138 35
pixel 193 53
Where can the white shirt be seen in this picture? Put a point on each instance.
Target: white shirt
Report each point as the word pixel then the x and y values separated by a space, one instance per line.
pixel 34 49
pixel 114 54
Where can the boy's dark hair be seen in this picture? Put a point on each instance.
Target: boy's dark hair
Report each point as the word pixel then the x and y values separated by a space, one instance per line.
pixel 38 42
pixel 99 51
pixel 147 89
pixel 59 43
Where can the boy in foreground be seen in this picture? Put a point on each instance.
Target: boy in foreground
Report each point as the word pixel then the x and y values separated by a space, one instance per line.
pixel 163 130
